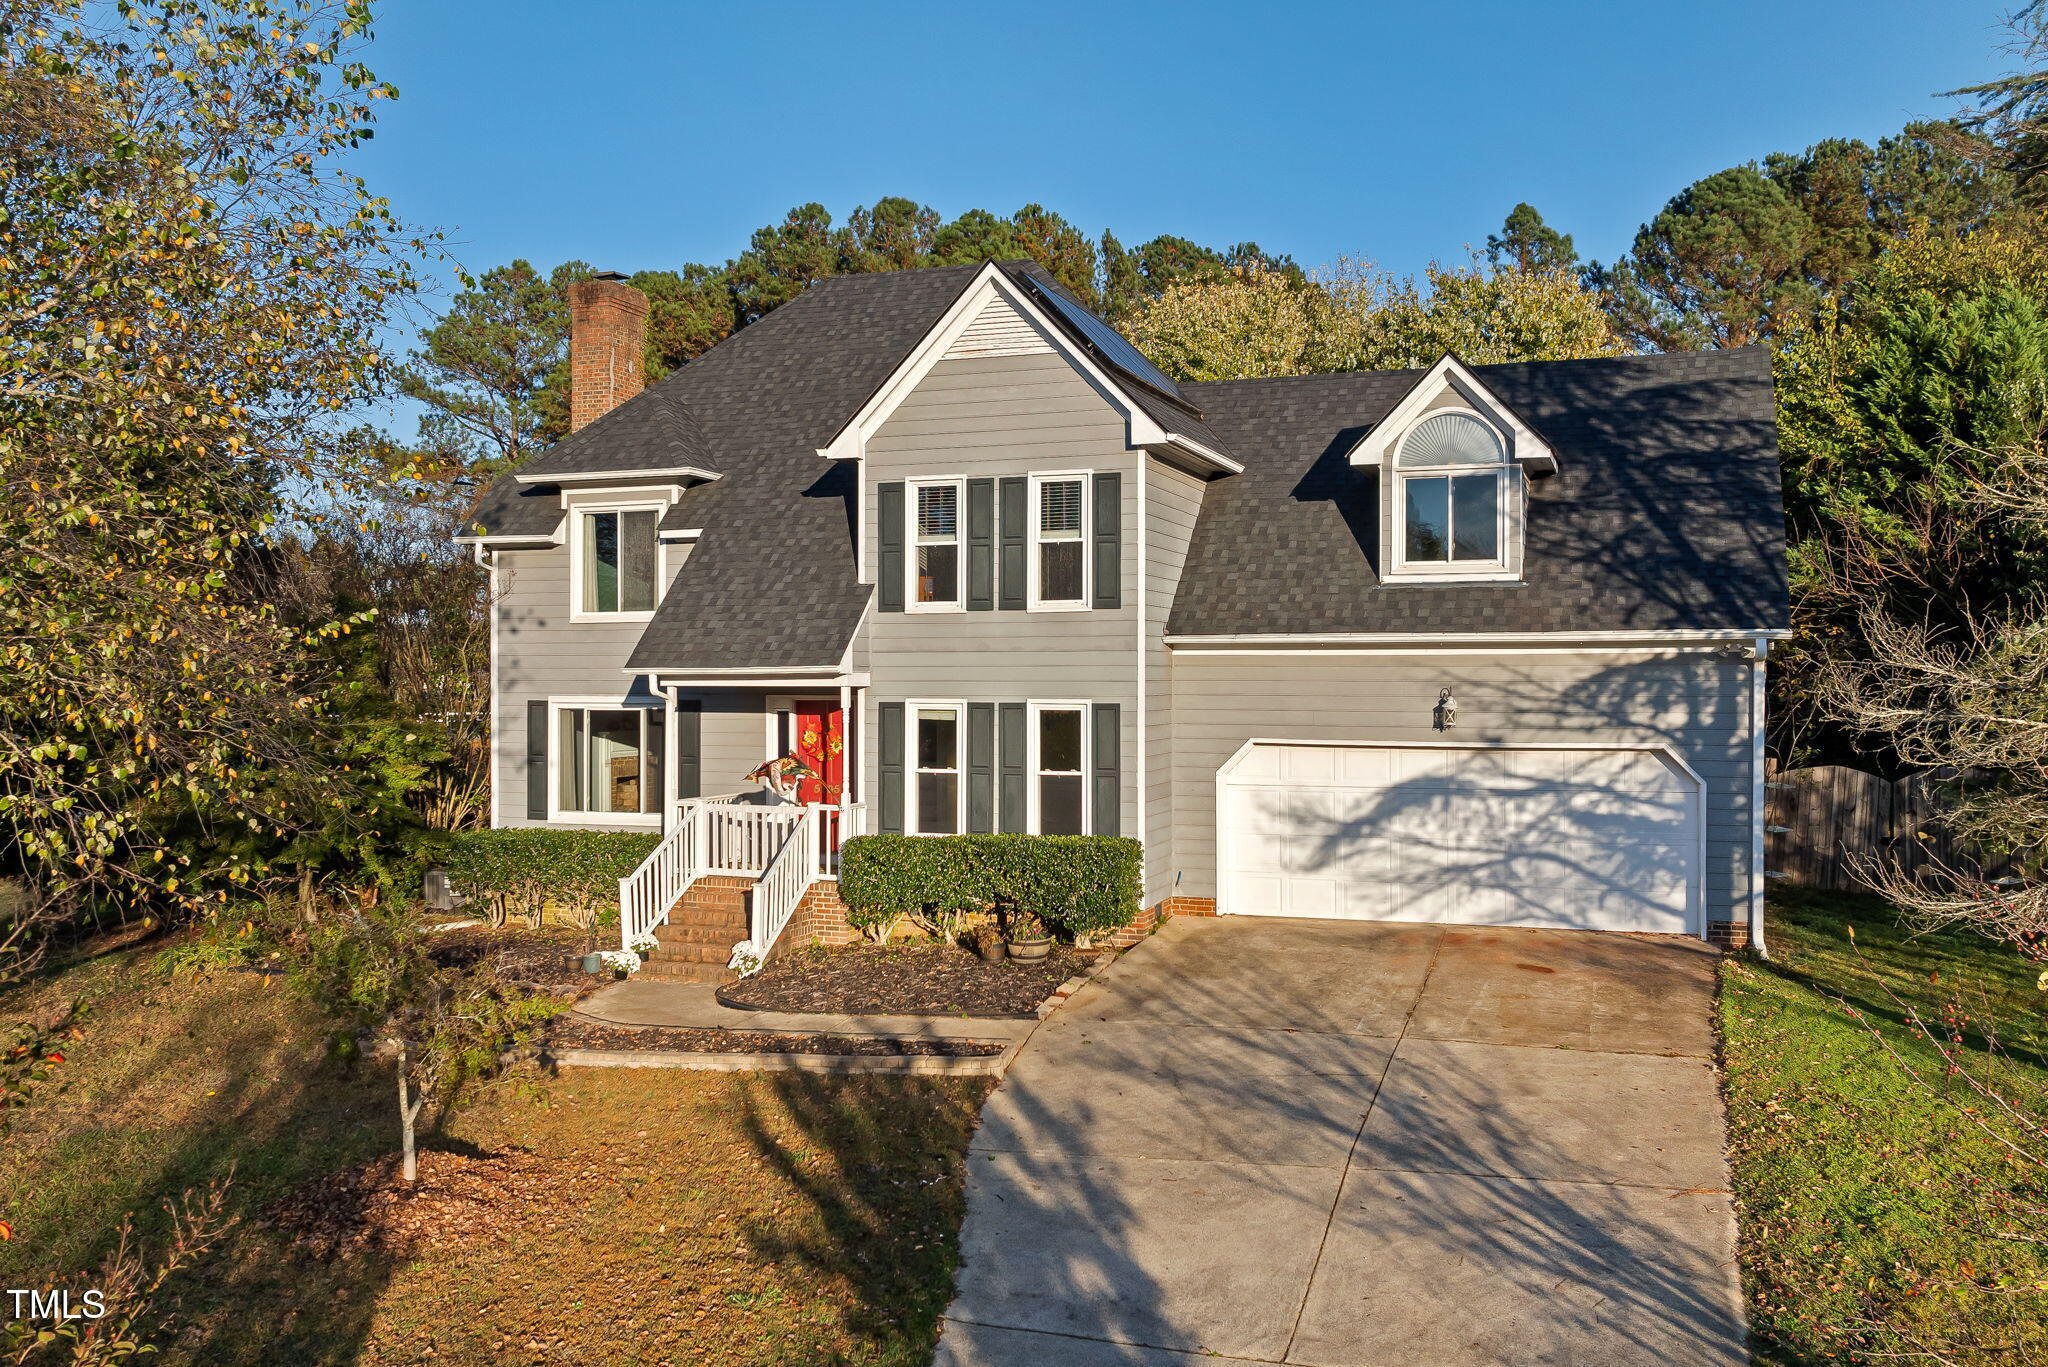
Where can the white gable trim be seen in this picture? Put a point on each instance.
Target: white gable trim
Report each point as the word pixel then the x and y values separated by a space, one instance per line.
pixel 989 285
pixel 578 479
pixel 1453 375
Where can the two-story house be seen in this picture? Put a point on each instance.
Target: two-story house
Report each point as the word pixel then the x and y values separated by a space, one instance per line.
pixel 1477 645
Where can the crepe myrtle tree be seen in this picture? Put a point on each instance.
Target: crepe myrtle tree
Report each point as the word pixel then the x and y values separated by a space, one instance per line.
pixel 446 1028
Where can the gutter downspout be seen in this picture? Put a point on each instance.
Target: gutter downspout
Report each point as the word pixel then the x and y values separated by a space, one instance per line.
pixel 1756 802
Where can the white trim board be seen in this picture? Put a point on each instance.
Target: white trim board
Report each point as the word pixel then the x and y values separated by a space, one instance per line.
pixel 1450 373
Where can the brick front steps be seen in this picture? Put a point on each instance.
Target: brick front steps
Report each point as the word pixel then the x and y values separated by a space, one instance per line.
pixel 695 943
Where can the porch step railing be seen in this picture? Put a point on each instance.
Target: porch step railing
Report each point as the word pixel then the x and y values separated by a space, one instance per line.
pixel 722 835
pixel 783 883
pixel 648 892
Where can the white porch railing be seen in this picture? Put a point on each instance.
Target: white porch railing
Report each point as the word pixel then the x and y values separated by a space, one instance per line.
pixel 721 835
pixel 782 884
pixel 647 893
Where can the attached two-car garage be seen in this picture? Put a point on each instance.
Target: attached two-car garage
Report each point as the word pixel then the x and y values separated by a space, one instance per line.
pixel 1577 837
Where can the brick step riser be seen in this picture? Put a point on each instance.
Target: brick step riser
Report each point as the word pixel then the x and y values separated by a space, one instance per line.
pixel 682 911
pixel 700 935
pixel 698 916
pixel 686 973
pixel 693 954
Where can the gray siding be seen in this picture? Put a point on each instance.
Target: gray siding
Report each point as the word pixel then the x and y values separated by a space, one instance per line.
pixel 733 736
pixel 1173 500
pixel 1697 704
pixel 995 416
pixel 542 654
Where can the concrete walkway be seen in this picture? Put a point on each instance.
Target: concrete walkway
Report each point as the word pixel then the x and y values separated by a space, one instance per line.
pixel 1342 1143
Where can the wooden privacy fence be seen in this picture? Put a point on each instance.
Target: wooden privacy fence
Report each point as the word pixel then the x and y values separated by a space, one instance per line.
pixel 1819 821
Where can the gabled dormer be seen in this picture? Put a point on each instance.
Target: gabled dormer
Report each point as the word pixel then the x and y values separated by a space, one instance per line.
pixel 1453 461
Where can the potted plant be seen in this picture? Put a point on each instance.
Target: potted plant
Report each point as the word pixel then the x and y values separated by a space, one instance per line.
pixel 1029 938
pixel 987 941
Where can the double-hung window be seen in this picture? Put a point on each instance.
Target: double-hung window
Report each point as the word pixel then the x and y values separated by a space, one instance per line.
pixel 1059 548
pixel 935 564
pixel 1059 781
pixel 1455 488
pixel 616 552
pixel 937 792
pixel 605 764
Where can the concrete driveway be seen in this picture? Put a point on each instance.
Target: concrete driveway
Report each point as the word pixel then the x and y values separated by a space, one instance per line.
pixel 1346 1143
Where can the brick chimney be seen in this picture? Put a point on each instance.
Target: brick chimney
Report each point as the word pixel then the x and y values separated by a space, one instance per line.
pixel 607 346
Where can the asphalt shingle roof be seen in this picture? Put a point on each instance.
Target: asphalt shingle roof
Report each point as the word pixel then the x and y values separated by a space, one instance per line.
pixel 1666 512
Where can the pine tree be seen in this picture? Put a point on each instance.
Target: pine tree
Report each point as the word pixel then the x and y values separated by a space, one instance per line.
pixel 1527 243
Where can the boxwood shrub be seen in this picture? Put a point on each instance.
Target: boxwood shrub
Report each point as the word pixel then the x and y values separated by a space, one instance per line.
pixel 528 866
pixel 1079 884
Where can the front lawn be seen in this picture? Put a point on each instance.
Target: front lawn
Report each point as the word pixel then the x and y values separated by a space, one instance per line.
pixel 785 1220
pixel 1858 1190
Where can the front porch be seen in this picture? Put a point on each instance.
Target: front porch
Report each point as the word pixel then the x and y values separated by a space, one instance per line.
pixel 750 860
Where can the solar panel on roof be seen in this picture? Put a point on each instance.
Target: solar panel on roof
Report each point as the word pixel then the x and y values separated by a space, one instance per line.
pixel 1108 342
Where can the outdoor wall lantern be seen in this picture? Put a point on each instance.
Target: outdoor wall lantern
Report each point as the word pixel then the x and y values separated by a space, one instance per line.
pixel 1446 711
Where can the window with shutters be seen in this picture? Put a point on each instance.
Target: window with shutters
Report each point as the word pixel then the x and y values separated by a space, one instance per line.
pixel 1059 780
pixel 1059 546
pixel 603 764
pixel 616 552
pixel 937 796
pixel 935 546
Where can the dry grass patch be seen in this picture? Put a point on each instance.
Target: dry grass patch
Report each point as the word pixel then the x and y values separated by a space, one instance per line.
pixel 600 1216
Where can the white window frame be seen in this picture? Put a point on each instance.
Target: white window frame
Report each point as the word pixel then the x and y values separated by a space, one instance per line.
pixel 577 513
pixel 1507 505
pixel 911 541
pixel 911 769
pixel 1033 771
pixel 1037 541
pixel 556 813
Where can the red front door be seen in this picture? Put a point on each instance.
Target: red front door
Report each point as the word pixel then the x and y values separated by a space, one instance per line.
pixel 821 743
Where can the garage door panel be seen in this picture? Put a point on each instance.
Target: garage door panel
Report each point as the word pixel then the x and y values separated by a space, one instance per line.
pixel 1496 836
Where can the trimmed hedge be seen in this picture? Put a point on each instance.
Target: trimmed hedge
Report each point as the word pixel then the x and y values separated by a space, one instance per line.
pixel 531 865
pixel 1078 884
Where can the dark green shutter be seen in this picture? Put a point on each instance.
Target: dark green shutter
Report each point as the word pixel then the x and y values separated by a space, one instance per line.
pixel 657 758
pixel 1109 535
pixel 981 545
pixel 889 767
pixel 689 748
pixel 1105 762
pixel 1015 791
pixel 889 545
pixel 981 767
pixel 1014 576
pixel 537 760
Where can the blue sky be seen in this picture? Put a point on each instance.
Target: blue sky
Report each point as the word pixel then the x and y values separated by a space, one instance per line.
pixel 638 135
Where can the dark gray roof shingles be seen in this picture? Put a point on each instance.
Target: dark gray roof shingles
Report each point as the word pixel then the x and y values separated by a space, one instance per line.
pixel 1666 512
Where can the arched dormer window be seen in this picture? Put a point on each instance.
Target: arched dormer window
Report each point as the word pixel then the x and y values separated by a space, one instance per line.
pixel 1457 496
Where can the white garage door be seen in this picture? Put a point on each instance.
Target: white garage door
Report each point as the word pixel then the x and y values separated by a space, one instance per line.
pixel 1583 839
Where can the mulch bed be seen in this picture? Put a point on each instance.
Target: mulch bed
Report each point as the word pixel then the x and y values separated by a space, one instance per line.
pixel 369 1208
pixel 539 957
pixel 666 1039
pixel 906 980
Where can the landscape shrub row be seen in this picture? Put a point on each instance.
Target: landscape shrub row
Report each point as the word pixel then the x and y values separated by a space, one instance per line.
pixel 1078 884
pixel 520 869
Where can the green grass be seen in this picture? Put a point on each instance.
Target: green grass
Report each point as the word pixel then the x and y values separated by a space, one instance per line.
pixel 1862 1194
pixel 774 1220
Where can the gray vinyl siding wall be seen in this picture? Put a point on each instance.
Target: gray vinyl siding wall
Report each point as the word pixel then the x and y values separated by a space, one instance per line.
pixel 992 416
pixel 1173 501
pixel 542 654
pixel 732 735
pixel 1697 704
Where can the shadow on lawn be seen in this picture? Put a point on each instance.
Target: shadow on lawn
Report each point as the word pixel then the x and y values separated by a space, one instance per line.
pixel 230 1092
pixel 880 1162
